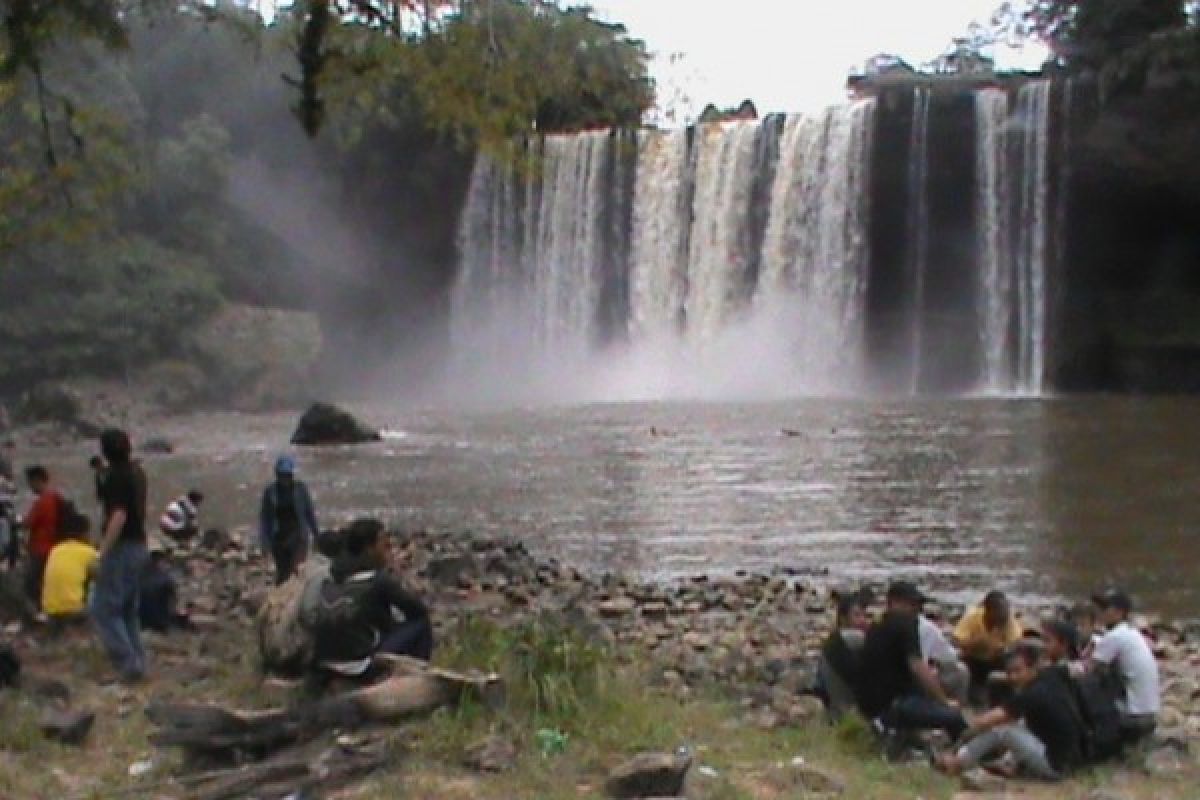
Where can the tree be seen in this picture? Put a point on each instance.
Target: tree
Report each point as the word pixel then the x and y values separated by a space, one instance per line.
pixel 1088 32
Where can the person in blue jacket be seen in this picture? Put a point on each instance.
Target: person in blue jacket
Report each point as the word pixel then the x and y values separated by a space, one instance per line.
pixel 287 522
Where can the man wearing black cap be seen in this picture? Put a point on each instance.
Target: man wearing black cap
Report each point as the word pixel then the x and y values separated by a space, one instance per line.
pixel 1123 649
pixel 896 687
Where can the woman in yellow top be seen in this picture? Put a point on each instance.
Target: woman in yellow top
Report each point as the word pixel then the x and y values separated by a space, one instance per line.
pixel 69 570
pixel 982 637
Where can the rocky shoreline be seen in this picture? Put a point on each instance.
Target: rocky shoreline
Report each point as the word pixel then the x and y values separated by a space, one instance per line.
pixel 755 636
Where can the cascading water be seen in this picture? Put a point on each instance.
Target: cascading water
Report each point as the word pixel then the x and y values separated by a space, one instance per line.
pixel 918 227
pixel 569 242
pixel 735 254
pixel 1033 115
pixel 993 239
pixel 718 258
pixel 815 247
pixel 662 214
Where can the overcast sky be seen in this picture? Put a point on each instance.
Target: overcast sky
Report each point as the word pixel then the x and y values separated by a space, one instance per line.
pixel 791 55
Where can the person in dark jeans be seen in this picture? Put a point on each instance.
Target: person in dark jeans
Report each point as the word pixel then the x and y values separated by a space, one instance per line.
pixel 1049 743
pixel 287 522
pixel 896 689
pixel 116 593
pixel 364 609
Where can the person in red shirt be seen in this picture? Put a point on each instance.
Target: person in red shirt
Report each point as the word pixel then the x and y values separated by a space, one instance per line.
pixel 42 523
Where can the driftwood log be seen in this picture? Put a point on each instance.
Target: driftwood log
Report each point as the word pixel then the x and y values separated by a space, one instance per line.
pixel 412 689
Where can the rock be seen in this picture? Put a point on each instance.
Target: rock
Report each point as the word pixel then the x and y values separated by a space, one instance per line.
pixel 10 666
pixel 493 754
pixel 616 607
pixel 214 539
pixel 157 446
pixel 1105 794
pixel 324 424
pixel 68 727
pixel 649 775
pixel 449 571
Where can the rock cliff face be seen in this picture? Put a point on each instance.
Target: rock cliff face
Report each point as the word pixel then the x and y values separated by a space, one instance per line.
pixel 1132 312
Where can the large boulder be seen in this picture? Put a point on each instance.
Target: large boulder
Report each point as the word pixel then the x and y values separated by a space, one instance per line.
pixel 325 424
pixel 649 775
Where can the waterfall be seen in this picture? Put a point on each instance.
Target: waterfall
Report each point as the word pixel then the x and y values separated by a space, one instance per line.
pixel 719 261
pixel 661 219
pixel 815 247
pixel 1033 117
pixel 569 241
pixel 489 241
pixel 1014 220
pixel 736 253
pixel 918 226
pixel 993 238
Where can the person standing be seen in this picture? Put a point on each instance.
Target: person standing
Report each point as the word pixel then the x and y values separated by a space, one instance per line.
pixel 287 522
pixel 42 522
pixel 123 556
pixel 8 516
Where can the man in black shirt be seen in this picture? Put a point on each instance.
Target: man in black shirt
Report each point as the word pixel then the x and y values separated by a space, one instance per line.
pixel 123 556
pixel 1049 744
pixel 895 687
pixel 363 609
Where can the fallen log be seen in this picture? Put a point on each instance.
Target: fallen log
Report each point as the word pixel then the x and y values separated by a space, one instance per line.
pixel 210 730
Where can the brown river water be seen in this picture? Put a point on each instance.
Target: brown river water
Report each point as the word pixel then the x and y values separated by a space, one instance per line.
pixel 1044 498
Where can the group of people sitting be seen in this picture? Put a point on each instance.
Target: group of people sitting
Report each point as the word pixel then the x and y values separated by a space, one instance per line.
pixel 1048 700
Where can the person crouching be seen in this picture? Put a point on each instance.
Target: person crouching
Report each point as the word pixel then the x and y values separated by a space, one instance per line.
pixel 363 610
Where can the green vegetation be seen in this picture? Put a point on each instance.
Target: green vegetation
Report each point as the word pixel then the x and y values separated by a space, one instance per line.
pixel 132 132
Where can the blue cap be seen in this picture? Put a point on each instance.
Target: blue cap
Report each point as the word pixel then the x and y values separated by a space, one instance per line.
pixel 286 465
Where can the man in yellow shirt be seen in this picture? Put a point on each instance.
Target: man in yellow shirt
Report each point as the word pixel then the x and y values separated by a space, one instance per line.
pixel 69 570
pixel 983 635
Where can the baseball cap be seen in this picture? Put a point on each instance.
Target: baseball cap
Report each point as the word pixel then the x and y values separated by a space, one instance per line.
pixel 285 464
pixel 1113 597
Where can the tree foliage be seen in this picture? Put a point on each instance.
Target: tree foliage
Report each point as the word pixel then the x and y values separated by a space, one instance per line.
pixel 1087 33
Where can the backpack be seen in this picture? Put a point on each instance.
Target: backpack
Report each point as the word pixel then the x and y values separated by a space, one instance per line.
pixel 1096 693
pixel 285 621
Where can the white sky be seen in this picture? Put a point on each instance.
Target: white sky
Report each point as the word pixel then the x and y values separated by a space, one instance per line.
pixel 791 55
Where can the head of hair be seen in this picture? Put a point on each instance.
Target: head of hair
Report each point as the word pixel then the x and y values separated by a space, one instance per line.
pixel 37 473
pixel 195 496
pixel 116 446
pixel 847 603
pixel 361 535
pixel 329 544
pixel 1065 632
pixel 995 599
pixel 1026 651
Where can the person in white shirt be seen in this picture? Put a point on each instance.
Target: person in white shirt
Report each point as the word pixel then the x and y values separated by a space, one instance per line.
pixel 180 519
pixel 937 651
pixel 1123 649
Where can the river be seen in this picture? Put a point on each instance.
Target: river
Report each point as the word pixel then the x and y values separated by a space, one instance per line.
pixel 1044 498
